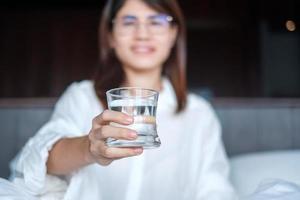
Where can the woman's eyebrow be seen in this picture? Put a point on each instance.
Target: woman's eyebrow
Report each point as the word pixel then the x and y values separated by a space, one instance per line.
pixel 128 17
pixel 159 15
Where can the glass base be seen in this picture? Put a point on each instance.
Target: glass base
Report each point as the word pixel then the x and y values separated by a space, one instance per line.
pixel 145 141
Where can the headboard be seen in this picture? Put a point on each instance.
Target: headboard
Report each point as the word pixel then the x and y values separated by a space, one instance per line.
pixel 249 125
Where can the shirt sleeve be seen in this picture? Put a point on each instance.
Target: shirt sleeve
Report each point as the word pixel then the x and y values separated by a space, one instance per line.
pixel 30 164
pixel 213 183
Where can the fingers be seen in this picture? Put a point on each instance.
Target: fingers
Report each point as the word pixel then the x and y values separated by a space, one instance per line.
pixel 102 129
pixel 118 153
pixel 104 155
pixel 107 131
pixel 112 116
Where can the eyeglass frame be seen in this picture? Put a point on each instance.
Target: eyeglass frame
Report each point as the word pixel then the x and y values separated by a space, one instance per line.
pixel 169 19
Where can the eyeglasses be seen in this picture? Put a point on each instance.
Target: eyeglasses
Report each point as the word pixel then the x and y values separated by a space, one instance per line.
pixel 155 24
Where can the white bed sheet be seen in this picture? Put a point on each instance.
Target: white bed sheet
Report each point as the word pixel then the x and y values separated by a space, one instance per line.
pixel 250 172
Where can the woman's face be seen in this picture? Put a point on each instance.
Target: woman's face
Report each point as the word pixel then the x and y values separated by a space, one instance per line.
pixel 142 38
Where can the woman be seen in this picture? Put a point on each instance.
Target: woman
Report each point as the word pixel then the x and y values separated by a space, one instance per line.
pixel 142 44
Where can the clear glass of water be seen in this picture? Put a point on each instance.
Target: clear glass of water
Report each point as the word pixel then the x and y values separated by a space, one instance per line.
pixel 140 103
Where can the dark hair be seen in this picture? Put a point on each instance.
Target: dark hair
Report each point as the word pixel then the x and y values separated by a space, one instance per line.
pixel 110 73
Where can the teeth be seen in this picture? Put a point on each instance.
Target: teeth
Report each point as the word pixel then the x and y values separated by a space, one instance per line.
pixel 142 49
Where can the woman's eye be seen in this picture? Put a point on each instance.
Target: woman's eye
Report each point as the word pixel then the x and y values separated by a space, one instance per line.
pixel 128 23
pixel 156 23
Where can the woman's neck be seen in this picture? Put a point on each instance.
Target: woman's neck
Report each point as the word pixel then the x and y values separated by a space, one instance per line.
pixel 152 80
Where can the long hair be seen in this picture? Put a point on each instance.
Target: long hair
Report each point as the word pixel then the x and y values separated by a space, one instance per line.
pixel 110 73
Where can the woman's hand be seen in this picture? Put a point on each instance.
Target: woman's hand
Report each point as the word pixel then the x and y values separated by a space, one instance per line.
pixel 101 130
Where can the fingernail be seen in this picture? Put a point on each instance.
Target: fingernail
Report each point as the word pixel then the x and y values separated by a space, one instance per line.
pixel 132 135
pixel 129 119
pixel 138 151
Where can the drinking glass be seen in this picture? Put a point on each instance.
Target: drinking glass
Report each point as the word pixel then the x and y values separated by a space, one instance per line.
pixel 141 103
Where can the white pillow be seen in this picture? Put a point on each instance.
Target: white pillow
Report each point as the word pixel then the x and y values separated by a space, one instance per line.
pixel 275 190
pixel 248 171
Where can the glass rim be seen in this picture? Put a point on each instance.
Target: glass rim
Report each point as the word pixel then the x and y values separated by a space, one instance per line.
pixel 154 92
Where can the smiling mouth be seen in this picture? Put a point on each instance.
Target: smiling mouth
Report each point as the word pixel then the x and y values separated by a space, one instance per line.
pixel 142 49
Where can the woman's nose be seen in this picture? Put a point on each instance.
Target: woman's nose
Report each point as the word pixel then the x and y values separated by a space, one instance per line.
pixel 142 32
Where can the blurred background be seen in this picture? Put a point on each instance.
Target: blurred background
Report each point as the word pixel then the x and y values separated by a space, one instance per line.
pixel 247 48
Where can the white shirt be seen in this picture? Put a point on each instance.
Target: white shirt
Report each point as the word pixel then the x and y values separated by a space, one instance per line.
pixel 190 163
